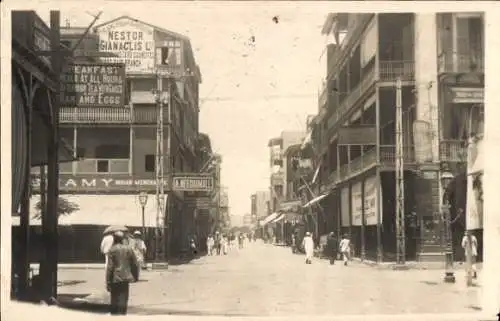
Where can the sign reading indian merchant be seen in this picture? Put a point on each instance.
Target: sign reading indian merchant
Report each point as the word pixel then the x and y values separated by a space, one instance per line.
pixel 133 43
pixel 93 85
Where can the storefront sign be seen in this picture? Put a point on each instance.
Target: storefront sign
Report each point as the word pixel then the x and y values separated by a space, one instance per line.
pixel 344 207
pixel 461 95
pixel 95 183
pixel 357 204
pixel 93 85
pixel 202 183
pixel 133 43
pixel 371 201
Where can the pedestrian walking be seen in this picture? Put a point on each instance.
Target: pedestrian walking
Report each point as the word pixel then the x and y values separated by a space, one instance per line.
pixel 194 248
pixel 470 249
pixel 225 244
pixel 218 243
pixel 331 247
pixel 240 240
pixel 122 269
pixel 210 245
pixel 308 245
pixel 345 248
pixel 106 243
pixel 140 249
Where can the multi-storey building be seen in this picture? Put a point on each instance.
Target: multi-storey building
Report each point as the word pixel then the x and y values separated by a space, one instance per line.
pixel 439 59
pixel 117 140
pixel 276 148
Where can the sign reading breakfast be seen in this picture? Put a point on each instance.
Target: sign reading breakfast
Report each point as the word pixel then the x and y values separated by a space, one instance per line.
pixel 93 85
pixel 132 42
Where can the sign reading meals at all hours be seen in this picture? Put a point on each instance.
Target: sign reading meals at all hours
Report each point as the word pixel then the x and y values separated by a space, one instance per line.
pixel 93 85
pixel 132 42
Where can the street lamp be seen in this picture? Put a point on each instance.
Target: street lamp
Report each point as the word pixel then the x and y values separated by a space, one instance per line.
pixel 446 178
pixel 143 199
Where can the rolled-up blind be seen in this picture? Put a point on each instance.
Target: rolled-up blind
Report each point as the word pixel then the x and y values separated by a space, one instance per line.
pixel 19 146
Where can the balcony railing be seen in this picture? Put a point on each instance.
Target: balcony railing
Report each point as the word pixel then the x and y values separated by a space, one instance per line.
pixel 103 166
pixel 94 115
pixel 452 62
pixel 453 151
pixel 391 70
pixel 388 154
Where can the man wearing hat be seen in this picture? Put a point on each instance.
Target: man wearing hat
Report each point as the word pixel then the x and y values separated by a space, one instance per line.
pixel 122 269
pixel 140 249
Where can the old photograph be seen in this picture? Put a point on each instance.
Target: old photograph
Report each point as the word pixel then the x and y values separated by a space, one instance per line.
pixel 272 160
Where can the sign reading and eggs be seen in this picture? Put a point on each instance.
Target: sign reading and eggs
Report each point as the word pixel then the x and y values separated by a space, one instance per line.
pixel 132 42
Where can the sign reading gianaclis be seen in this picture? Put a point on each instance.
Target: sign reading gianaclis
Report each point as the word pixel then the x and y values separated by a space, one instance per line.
pixel 93 85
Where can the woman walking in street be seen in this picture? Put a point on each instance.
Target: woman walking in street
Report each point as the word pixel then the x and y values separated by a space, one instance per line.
pixel 308 245
pixel 345 248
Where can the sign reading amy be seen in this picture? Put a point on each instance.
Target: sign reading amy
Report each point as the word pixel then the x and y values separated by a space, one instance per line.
pixel 133 43
pixel 198 182
pixel 93 85
pixel 88 183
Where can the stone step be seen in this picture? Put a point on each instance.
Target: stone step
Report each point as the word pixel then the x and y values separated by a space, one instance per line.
pixel 431 248
pixel 431 257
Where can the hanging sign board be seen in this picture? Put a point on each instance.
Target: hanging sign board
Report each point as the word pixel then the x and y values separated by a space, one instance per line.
pixel 202 183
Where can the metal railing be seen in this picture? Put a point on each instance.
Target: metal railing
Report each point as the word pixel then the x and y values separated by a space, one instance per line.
pixel 94 115
pixel 393 69
pixel 451 150
pixel 103 166
pixel 388 154
pixel 454 62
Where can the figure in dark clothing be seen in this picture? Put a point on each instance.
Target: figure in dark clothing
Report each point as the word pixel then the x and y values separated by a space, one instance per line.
pixel 331 247
pixel 122 269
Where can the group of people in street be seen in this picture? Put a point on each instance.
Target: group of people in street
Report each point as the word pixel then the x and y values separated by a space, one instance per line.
pixel 221 244
pixel 333 250
pixel 124 258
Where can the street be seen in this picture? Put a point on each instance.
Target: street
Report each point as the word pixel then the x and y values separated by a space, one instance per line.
pixel 267 280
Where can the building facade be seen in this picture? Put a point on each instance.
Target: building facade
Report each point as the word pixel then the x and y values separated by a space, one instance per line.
pixel 116 139
pixel 277 146
pixel 354 132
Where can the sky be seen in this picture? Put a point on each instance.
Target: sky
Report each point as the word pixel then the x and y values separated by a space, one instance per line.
pixel 251 91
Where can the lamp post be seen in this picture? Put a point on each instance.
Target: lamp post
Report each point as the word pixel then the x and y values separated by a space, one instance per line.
pixel 143 199
pixel 446 178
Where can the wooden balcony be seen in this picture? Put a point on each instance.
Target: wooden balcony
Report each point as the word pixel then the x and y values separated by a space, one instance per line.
pixel 102 166
pixel 453 151
pixel 453 62
pixel 391 70
pixel 95 115
pixel 351 99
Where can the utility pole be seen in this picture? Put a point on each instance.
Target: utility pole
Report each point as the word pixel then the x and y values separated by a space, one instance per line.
pixel 159 171
pixel 400 201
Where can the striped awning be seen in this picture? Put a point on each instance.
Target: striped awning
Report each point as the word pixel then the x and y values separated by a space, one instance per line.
pixel 279 218
pixel 268 219
pixel 315 200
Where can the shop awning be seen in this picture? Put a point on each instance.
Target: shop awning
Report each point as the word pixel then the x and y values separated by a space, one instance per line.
pixel 268 219
pixel 279 218
pixel 290 205
pixel 100 210
pixel 315 200
pixel 475 157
